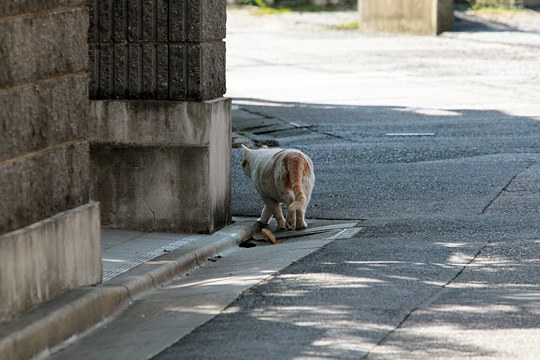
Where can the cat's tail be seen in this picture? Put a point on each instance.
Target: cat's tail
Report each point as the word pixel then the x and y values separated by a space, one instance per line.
pixel 297 205
pixel 298 167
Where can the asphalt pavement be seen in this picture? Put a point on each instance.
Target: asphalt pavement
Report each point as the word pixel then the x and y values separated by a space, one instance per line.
pixel 429 144
pixel 433 143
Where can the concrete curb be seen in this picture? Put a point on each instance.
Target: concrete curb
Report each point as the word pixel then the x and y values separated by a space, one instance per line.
pixel 38 331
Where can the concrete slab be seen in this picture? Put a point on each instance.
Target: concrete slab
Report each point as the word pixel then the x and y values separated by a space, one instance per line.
pixel 113 237
pixel 427 17
pixel 148 260
pixel 48 258
pixel 161 317
pixel 133 248
pixel 239 115
pixel 176 317
pixel 271 129
pixel 145 155
pixel 244 121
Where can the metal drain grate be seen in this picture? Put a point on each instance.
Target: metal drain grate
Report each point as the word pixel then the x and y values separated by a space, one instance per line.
pixel 347 230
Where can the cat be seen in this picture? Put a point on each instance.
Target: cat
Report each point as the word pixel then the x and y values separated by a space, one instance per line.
pixel 281 176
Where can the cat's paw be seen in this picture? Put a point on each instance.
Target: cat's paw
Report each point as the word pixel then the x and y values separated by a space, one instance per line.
pixel 301 226
pixel 291 226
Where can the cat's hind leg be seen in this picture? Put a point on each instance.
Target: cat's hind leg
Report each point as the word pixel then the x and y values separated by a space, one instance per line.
pixel 266 215
pixel 291 218
pixel 300 221
pixel 278 214
pixel 273 208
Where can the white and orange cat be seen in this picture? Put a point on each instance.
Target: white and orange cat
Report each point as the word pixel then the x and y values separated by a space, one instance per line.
pixel 281 176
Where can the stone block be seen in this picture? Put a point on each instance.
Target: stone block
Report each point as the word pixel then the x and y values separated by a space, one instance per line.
pixel 205 70
pixel 43 115
pixel 152 188
pixel 48 258
pixel 445 16
pixel 206 20
pixel 151 123
pixel 44 45
pixel 161 165
pixel 158 71
pixel 157 49
pixel 15 8
pixel 41 184
pixel 423 17
pixel 157 20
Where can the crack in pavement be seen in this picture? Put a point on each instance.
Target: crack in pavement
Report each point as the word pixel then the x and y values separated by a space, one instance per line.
pixel 504 189
pixel 311 128
pixel 427 301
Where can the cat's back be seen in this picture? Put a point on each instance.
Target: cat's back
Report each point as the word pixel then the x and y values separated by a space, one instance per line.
pixel 267 161
pixel 265 158
pixel 293 157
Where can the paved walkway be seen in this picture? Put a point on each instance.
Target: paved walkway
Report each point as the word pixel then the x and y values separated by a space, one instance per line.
pixel 122 250
pixel 134 262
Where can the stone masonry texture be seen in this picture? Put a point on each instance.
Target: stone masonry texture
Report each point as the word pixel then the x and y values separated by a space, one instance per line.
pixel 35 187
pixel 27 53
pixel 41 115
pixel 18 7
pixel 157 49
pixel 49 229
pixel 44 154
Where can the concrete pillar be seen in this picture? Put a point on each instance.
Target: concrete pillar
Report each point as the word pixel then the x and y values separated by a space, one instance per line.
pixel 423 17
pixel 49 229
pixel 160 129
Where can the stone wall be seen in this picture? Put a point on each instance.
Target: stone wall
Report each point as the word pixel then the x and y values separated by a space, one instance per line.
pixel 44 153
pixel 160 129
pixel 157 49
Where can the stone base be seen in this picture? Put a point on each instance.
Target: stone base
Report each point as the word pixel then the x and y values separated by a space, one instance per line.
pixel 162 165
pixel 532 3
pixel 42 260
pixel 423 17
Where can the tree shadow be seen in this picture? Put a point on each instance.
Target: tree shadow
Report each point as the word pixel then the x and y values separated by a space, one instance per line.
pixel 467 22
pixel 471 23
pixel 421 285
pixel 374 297
pixel 383 174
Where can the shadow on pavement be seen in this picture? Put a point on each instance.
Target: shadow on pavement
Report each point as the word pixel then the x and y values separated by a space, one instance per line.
pixel 443 296
pixel 367 164
pixel 468 22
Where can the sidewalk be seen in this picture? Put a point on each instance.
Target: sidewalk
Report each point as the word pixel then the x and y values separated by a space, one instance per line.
pixel 133 262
